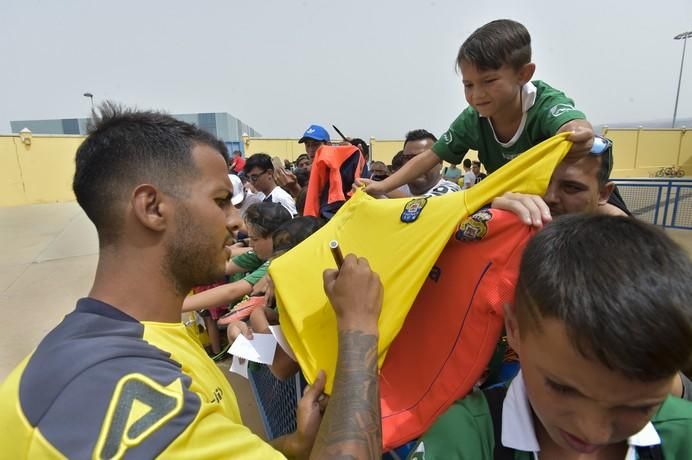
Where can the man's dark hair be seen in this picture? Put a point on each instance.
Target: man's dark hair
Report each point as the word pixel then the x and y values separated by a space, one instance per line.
pixel 621 288
pixel 266 217
pixel 419 135
pixel 127 147
pixel 495 44
pixel 466 163
pixel 258 160
pixel 398 161
pixel 358 142
pixel 476 163
pixel 302 177
pixel 293 232
pixel 377 162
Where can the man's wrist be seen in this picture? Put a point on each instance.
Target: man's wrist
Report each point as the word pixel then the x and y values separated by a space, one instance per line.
pixel 357 325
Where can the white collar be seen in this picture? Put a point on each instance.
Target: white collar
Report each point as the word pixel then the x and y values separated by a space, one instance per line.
pixel 528 99
pixel 518 431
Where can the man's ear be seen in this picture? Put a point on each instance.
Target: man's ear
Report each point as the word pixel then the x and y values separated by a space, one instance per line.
pixel 526 73
pixel 512 328
pixel 604 193
pixel 150 207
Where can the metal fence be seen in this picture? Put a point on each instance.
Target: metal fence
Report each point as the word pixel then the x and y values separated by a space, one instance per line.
pixel 277 400
pixel 664 202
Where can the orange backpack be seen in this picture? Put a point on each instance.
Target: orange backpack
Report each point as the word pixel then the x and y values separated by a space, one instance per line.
pixel 452 329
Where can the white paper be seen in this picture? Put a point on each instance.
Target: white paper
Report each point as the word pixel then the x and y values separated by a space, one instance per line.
pixel 260 349
pixel 283 343
pixel 238 367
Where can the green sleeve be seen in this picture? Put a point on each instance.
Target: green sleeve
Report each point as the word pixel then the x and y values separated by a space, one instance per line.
pixel 465 431
pixel 248 261
pixel 673 422
pixel 258 274
pixel 555 109
pixel 461 136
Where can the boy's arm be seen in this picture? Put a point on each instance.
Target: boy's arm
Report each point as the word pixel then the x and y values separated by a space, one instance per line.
pixel 220 295
pixel 418 165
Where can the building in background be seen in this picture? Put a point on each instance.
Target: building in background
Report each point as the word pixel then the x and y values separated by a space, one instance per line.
pixel 223 125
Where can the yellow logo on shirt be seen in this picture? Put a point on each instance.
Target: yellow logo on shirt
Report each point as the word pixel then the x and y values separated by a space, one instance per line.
pixel 139 407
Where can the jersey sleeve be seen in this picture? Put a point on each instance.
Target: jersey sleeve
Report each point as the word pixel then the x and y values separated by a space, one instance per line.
pixel 249 261
pixel 143 408
pixel 254 277
pixel 461 136
pixel 556 110
pixel 464 432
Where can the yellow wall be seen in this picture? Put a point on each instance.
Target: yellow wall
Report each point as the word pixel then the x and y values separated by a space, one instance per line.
pixel 37 173
pixel 640 152
pixel 42 172
pixel 380 150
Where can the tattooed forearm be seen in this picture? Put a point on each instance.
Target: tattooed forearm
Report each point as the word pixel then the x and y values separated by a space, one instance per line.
pixel 352 427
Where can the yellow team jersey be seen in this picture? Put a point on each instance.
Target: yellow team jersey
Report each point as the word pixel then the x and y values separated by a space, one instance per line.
pixel 103 385
pixel 401 239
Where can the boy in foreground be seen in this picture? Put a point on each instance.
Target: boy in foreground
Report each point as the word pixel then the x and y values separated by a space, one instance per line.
pixel 602 326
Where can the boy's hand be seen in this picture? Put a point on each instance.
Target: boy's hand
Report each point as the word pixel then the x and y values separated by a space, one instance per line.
pixel 372 188
pixel 355 293
pixel 237 328
pixel 309 414
pixel 531 209
pixel 581 137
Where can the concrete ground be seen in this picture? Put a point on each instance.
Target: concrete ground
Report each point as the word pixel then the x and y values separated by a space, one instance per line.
pixel 48 257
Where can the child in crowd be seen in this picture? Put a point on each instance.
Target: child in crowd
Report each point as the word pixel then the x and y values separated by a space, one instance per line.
pixel 507 114
pixel 289 235
pixel 261 220
pixel 602 326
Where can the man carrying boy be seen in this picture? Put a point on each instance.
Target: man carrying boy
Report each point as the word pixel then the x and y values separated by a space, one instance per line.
pixel 602 324
pixel 507 113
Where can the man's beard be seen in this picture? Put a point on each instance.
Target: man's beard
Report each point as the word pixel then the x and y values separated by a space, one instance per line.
pixel 191 255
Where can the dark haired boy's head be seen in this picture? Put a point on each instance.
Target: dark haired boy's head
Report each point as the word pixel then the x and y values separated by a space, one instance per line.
pixel 127 147
pixel 417 142
pixel 259 170
pixel 498 43
pixel 495 63
pixel 466 164
pixel 262 220
pixel 602 325
pixel 237 153
pixel 294 232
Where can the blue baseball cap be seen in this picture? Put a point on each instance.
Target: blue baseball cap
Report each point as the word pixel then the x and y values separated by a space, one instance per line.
pixel 315 132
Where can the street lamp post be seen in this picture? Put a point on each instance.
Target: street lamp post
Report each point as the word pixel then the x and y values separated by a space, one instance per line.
pixel 91 98
pixel 683 36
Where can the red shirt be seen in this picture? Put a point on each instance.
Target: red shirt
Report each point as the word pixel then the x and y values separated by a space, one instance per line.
pixel 238 164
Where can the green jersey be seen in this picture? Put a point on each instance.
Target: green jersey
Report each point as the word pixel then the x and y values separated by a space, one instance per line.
pixel 466 431
pixel 545 111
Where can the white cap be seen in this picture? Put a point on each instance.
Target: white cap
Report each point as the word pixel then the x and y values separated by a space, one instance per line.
pixel 238 190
